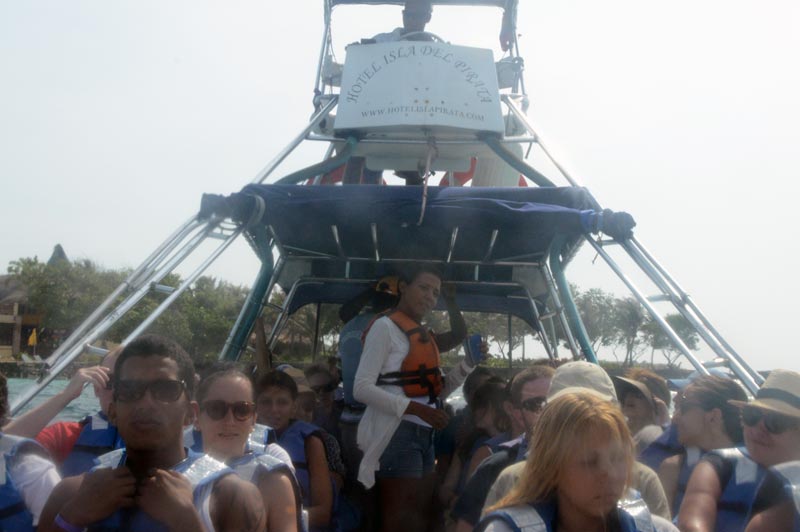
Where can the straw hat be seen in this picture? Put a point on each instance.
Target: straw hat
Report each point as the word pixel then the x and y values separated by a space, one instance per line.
pixel 581 376
pixel 780 393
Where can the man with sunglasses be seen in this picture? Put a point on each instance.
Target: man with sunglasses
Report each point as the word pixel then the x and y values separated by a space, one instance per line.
pixel 722 489
pixel 154 483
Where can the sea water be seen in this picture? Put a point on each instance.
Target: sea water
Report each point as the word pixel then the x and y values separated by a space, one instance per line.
pixel 84 405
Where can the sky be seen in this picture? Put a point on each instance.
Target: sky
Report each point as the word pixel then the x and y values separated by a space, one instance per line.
pixel 115 117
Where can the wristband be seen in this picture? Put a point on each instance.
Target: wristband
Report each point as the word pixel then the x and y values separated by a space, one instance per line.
pixel 65 525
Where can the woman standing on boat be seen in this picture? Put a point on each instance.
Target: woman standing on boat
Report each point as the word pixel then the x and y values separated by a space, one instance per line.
pixel 400 381
pixel 226 419
pixel 579 472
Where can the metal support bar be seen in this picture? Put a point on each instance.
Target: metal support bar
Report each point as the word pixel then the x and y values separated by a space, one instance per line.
pixel 653 312
pixel 453 237
pixel 524 120
pixel 182 287
pixel 253 305
pixel 683 303
pixel 492 242
pixel 559 310
pixel 162 288
pixel 374 231
pixel 315 120
pixel 337 239
pixel 569 308
pixel 316 332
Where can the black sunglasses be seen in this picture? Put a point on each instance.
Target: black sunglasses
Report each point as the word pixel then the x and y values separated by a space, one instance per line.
pixel 217 409
pixel 533 404
pixel 163 390
pixel 110 381
pixel 773 422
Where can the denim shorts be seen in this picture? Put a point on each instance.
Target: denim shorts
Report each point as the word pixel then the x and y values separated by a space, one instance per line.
pixel 409 453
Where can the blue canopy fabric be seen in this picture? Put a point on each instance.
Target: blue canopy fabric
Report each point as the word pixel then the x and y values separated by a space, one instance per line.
pixel 526 219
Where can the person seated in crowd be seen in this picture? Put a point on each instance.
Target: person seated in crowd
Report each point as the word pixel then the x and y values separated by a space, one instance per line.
pixel 779 494
pixel 645 411
pixel 154 484
pixel 327 410
pixel 27 476
pixel 578 474
pixel 276 396
pixel 400 380
pixel 305 406
pixel 527 397
pixel 460 424
pixel 226 420
pixel 74 445
pixel 705 420
pixel 491 425
pixel 416 15
pixel 582 376
pixel 722 489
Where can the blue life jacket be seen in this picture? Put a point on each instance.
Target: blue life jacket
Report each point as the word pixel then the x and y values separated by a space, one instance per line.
pixel 789 474
pixel 495 442
pixel 14 515
pixel 261 436
pixel 350 346
pixel 200 470
pixel 542 518
pixel 97 438
pixel 293 440
pixel 688 461
pixel 520 443
pixel 662 448
pixel 736 501
pixel 251 465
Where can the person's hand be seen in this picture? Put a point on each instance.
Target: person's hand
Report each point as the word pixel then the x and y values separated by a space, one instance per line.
pixel 97 375
pixel 101 493
pixel 449 291
pixel 434 417
pixel 166 496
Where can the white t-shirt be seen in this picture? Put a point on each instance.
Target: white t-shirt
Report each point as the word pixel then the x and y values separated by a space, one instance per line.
pixel 35 477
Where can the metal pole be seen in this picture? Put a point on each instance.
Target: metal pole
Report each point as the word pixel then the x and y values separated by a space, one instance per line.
pixel 315 120
pixel 646 304
pixel 524 120
pixel 183 286
pixel 316 333
pixel 510 346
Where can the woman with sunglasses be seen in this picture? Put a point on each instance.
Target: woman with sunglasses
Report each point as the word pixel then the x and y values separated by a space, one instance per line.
pixel 722 489
pixel 226 419
pixel 704 420
pixel 580 471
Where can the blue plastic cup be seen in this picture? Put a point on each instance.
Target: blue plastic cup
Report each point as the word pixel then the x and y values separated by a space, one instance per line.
pixel 472 349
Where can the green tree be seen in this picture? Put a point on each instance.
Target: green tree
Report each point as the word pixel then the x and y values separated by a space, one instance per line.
pixel 658 340
pixel 596 309
pixel 629 317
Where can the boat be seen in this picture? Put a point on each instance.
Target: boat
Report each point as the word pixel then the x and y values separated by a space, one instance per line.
pixel 327 231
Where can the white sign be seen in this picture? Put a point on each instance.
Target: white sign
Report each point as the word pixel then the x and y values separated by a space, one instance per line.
pixel 419 84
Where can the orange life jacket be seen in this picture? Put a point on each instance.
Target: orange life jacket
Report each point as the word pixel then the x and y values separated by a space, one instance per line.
pixel 419 374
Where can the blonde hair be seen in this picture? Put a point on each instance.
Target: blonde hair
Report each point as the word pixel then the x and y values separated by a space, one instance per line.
pixel 569 424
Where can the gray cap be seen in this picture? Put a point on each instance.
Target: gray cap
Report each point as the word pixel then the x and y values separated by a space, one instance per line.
pixel 581 376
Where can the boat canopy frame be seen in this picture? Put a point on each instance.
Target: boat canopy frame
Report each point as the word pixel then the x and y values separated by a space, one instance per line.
pixel 532 283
